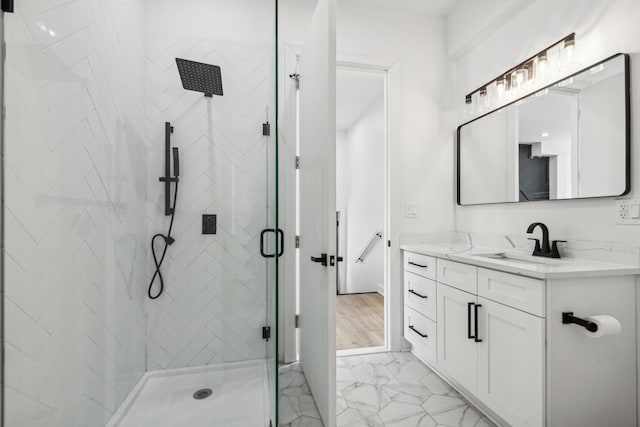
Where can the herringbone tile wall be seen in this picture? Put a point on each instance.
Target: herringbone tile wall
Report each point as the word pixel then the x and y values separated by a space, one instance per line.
pixel 214 305
pixel 76 238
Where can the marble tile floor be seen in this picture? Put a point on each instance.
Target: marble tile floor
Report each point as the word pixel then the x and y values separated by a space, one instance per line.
pixel 390 389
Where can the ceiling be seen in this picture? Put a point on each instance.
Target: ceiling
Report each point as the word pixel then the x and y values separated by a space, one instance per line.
pixel 356 91
pixel 435 7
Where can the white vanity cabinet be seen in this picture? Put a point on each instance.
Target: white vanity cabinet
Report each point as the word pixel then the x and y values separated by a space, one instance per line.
pixel 500 341
pixel 494 351
pixel 457 353
pixel 420 305
pixel 511 375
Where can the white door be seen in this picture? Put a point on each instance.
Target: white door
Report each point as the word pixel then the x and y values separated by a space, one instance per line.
pixel 318 209
pixel 457 347
pixel 511 363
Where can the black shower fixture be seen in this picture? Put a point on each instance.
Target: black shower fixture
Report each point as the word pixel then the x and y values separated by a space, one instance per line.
pixel 199 77
pixel 167 179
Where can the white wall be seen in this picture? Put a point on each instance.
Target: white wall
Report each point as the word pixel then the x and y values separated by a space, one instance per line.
pixel 215 300
pixel 75 191
pixel 361 188
pixel 412 46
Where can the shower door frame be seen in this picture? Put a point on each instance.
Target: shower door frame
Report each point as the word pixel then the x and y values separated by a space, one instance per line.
pixel 2 234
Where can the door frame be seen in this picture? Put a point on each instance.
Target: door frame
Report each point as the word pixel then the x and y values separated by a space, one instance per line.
pixel 345 62
pixel 288 200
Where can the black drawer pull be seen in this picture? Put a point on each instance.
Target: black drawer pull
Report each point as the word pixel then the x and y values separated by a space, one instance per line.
pixel 411 291
pixel 417 265
pixel 418 332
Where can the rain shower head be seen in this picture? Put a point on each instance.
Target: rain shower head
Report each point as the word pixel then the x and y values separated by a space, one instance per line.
pixel 200 77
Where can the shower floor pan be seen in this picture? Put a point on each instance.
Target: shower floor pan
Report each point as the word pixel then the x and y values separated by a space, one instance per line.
pixel 166 398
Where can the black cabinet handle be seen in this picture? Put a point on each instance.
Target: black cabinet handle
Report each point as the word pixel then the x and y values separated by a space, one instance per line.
pixel 417 265
pixel 469 305
pixel 476 307
pixel 418 332
pixel 411 291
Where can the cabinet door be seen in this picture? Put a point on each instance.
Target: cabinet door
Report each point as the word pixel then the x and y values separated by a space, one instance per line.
pixel 511 363
pixel 456 351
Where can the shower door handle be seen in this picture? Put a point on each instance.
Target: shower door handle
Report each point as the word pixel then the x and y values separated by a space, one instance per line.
pixel 280 245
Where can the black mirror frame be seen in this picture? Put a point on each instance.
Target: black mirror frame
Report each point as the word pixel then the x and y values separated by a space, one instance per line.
pixel 627 82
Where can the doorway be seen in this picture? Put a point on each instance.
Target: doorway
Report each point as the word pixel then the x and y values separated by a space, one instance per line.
pixel 360 207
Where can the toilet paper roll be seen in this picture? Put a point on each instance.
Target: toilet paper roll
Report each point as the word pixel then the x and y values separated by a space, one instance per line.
pixel 607 326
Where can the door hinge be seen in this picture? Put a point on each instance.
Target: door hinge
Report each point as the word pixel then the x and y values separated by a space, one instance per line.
pixel 297 162
pixel 297 242
pixel 297 321
pixel 389 243
pixel 7 6
pixel 266 129
pixel 266 332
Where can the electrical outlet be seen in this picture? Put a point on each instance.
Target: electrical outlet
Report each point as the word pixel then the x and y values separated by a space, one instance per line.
pixel 628 212
pixel 622 211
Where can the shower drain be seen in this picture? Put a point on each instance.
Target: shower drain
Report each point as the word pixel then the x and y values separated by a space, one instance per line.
pixel 203 393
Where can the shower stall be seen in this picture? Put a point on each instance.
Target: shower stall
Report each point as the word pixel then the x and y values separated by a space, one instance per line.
pixel 89 86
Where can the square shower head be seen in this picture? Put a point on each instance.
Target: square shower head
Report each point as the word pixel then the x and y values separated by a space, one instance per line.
pixel 200 77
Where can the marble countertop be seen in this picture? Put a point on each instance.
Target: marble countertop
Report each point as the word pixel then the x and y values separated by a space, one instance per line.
pixel 520 262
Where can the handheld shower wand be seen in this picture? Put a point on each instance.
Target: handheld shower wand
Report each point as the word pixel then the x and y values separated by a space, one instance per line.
pixel 168 210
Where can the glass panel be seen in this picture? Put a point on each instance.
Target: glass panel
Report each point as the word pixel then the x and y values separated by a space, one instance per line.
pixel 96 108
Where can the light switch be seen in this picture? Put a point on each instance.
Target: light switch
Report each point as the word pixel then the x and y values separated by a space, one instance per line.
pixel 634 211
pixel 411 210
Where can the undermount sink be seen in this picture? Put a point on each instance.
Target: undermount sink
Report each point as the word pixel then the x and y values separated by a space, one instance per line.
pixel 519 259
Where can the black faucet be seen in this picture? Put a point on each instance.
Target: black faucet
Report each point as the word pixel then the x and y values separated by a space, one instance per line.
pixel 545 250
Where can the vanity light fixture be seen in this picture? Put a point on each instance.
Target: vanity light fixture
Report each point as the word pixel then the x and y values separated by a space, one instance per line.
pixel 530 73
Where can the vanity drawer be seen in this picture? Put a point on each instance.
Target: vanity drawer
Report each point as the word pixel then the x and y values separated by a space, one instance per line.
pixel 421 333
pixel 421 265
pixel 461 276
pixel 523 293
pixel 420 294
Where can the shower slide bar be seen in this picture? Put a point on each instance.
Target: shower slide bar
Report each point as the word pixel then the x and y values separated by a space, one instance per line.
pixel 370 244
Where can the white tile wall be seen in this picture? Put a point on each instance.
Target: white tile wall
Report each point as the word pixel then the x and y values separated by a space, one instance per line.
pixel 76 240
pixel 214 305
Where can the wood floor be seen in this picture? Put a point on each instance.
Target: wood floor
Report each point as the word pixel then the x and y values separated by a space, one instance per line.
pixel 359 321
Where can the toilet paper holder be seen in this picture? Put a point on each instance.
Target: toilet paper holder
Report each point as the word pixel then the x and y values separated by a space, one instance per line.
pixel 568 318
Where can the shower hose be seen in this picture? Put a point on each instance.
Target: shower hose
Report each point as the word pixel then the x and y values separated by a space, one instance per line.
pixel 168 240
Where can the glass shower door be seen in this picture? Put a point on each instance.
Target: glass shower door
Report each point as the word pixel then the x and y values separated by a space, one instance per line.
pixel 89 88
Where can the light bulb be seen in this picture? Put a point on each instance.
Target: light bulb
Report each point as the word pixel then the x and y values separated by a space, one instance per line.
pixel 540 69
pixel 568 52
